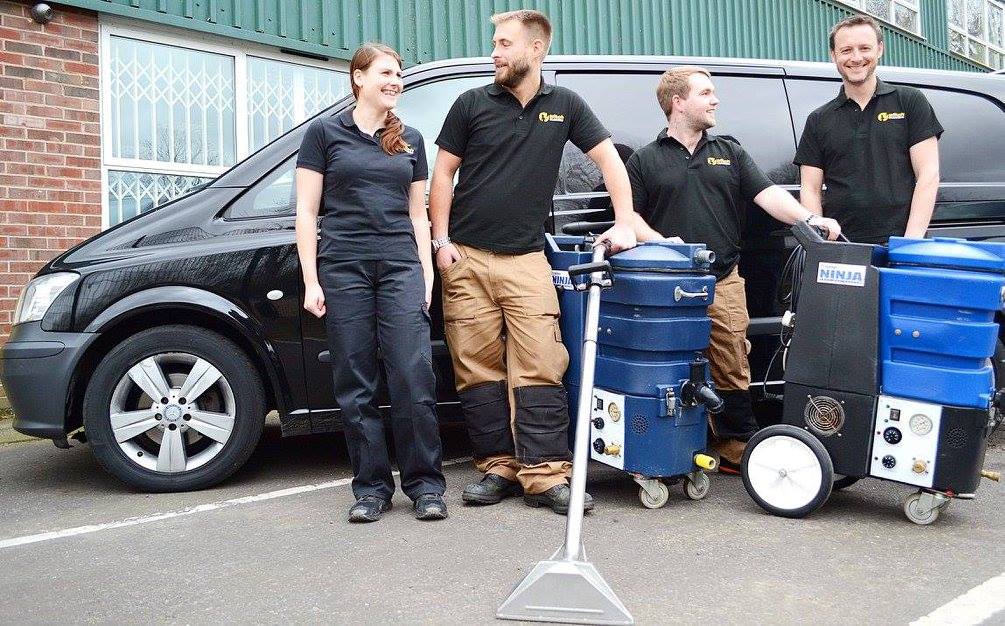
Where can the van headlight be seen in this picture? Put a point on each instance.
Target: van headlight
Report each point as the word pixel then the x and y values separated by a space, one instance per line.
pixel 39 294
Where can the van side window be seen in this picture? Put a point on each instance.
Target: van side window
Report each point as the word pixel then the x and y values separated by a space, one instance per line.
pixel 971 150
pixel 425 106
pixel 965 151
pixel 754 111
pixel 273 196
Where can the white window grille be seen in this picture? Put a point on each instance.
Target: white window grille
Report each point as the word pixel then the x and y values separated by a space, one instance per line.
pixel 178 111
pixel 904 14
pixel 977 30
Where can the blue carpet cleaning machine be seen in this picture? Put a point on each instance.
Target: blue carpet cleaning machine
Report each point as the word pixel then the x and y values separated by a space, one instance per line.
pixel 888 373
pixel 651 386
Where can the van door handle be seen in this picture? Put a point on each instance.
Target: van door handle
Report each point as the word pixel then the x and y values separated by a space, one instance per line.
pixel 679 294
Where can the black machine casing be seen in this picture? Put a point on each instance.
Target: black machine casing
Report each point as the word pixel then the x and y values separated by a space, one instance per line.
pixel 834 353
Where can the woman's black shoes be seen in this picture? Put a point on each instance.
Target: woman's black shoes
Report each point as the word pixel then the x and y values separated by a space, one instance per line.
pixel 430 506
pixel 368 509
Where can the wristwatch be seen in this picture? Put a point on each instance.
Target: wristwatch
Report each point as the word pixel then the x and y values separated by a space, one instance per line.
pixel 439 243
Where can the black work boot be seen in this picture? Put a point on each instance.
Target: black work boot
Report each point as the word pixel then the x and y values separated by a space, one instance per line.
pixel 430 506
pixel 368 509
pixel 491 489
pixel 557 499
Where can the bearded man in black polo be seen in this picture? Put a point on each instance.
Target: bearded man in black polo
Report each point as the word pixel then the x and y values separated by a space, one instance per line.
pixel 697 187
pixel 875 146
pixel 488 233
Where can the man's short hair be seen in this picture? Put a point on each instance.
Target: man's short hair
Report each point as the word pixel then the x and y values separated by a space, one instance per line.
pixel 676 82
pixel 536 23
pixel 856 20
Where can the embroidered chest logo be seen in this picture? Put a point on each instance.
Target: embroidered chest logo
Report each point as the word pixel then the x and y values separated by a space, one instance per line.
pixel 715 161
pixel 884 116
pixel 544 116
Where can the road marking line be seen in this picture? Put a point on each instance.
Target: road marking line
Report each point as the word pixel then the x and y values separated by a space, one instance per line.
pixel 973 607
pixel 200 508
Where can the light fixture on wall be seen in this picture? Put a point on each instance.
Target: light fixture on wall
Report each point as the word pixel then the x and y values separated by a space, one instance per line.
pixel 42 13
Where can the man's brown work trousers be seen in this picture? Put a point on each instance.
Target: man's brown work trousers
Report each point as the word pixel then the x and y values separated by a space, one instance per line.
pixel 727 354
pixel 500 314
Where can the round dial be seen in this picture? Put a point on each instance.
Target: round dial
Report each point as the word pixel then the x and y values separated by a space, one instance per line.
pixel 892 435
pixel 921 424
pixel 889 461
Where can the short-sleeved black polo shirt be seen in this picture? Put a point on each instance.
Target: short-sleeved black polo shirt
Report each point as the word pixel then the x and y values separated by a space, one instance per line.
pixel 866 159
pixel 509 162
pixel 700 197
pixel 365 194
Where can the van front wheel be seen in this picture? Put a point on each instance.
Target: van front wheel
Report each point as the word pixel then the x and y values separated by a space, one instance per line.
pixel 174 408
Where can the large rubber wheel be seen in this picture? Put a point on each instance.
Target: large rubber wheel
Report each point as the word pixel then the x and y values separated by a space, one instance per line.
pixel 174 408
pixel 844 482
pixel 787 471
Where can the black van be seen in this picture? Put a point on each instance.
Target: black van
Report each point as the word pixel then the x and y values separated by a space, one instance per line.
pixel 169 337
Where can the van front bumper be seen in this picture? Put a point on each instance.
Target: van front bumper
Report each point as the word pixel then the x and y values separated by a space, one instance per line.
pixel 36 368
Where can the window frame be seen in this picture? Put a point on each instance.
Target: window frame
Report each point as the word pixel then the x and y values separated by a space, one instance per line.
pixel 967 37
pixel 239 51
pixel 914 5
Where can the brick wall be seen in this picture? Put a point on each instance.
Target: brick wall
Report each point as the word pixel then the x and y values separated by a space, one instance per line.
pixel 50 142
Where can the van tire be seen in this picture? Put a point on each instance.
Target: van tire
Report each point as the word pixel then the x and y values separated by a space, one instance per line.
pixel 235 402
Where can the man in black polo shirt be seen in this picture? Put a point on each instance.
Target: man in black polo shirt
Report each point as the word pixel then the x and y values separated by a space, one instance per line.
pixel 875 146
pixel 507 139
pixel 696 186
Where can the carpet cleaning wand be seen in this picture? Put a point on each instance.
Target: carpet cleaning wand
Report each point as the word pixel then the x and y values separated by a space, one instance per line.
pixel 567 588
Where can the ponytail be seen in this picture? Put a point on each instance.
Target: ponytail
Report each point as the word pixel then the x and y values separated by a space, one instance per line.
pixel 391 140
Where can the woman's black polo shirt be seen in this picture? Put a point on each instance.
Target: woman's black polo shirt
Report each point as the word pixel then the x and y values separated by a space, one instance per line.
pixel 510 158
pixel 365 193
pixel 700 197
pixel 866 158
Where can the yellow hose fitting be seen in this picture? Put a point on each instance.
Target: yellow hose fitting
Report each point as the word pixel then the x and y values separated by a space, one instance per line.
pixel 705 461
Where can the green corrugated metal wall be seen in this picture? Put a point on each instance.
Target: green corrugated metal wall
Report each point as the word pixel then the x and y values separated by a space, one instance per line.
pixel 425 30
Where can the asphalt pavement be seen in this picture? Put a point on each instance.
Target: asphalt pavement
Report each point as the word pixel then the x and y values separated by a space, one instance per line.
pixel 223 555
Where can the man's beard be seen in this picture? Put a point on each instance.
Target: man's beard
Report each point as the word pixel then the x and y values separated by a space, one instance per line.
pixel 865 79
pixel 699 123
pixel 516 71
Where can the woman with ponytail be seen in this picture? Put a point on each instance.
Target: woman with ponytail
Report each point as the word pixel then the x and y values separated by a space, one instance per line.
pixel 370 274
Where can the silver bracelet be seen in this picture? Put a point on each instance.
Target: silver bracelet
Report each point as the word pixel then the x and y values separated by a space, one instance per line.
pixel 439 243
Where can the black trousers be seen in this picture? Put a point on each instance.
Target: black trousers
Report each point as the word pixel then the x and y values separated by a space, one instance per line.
pixel 373 304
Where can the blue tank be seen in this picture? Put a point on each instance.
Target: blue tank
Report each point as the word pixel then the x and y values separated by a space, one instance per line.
pixel 938 300
pixel 653 327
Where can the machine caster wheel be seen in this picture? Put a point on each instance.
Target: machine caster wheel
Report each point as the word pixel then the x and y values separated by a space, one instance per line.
pixel 844 482
pixel 787 471
pixel 696 485
pixel 655 500
pixel 923 507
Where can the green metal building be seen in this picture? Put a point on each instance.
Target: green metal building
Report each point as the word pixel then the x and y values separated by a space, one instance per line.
pixel 918 31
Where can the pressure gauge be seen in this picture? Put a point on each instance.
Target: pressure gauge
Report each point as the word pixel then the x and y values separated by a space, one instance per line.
pixel 921 424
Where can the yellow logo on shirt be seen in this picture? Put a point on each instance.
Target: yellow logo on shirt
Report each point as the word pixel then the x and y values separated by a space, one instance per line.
pixel 714 161
pixel 884 116
pixel 544 116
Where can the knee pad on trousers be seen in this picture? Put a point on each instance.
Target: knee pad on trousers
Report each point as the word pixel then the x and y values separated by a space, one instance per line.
pixel 736 421
pixel 486 411
pixel 542 424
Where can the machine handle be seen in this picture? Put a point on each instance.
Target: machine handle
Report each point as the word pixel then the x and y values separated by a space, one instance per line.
pixel 586 228
pixel 588 268
pixel 679 293
pixel 806 234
